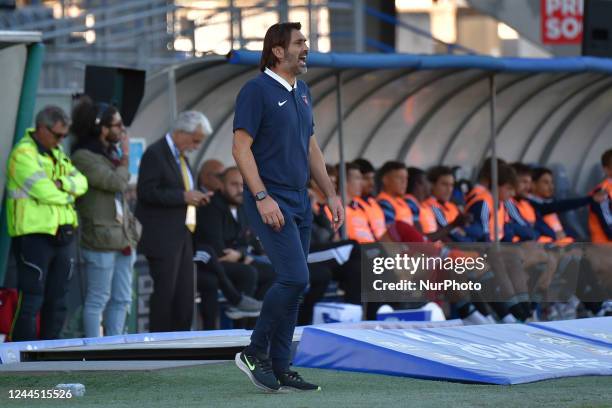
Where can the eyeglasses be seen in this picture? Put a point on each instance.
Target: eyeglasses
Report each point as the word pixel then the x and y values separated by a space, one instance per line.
pixel 57 135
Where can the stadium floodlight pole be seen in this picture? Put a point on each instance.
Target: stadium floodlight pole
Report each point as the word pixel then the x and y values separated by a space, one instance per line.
pixel 494 178
pixel 342 169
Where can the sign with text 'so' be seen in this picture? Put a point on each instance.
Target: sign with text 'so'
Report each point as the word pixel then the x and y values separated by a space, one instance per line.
pixel 562 21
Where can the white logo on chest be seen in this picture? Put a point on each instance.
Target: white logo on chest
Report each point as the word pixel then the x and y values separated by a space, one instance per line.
pixel 282 103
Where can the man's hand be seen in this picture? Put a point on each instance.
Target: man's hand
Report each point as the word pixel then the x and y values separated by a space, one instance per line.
pixel 207 196
pixel 313 199
pixel 335 206
pixel 230 255
pixel 600 196
pixel 271 213
pixel 197 198
pixel 124 142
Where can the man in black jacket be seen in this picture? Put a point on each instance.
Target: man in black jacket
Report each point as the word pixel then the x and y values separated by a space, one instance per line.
pixel 223 231
pixel 166 208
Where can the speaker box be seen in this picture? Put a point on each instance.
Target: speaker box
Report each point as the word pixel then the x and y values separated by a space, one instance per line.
pixel 597 28
pixel 121 87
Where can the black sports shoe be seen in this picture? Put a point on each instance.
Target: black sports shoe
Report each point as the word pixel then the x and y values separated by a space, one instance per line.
pixel 292 381
pixel 259 371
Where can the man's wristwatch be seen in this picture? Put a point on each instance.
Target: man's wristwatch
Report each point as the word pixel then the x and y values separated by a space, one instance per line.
pixel 260 196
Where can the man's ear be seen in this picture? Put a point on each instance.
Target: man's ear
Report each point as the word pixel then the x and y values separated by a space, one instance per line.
pixel 279 52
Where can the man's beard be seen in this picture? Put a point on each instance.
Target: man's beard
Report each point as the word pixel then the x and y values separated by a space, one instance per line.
pixel 299 68
pixel 235 200
pixel 113 139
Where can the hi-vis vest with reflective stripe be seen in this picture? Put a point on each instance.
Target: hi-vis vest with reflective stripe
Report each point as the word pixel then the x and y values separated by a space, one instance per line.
pixel 358 227
pixel 375 214
pixel 403 212
pixel 528 213
pixel 446 212
pixel 34 203
pixel 480 193
pixel 357 224
pixel 426 218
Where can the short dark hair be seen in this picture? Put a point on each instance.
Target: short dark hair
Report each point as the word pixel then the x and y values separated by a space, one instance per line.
pixel 364 165
pixel 278 35
pixel 414 174
pixel 485 170
pixel 521 169
pixel 348 166
pixel 506 175
pixel 434 174
pixel 538 172
pixel 386 168
pixel 390 166
pixel 606 158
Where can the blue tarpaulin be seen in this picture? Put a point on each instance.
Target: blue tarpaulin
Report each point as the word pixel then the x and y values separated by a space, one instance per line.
pixel 597 329
pixel 494 354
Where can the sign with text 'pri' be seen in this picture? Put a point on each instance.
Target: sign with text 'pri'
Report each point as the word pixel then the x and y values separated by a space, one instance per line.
pixel 562 21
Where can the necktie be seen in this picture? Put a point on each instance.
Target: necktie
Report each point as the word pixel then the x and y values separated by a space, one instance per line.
pixel 190 219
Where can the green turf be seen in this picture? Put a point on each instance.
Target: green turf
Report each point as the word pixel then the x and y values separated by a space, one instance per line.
pixel 223 385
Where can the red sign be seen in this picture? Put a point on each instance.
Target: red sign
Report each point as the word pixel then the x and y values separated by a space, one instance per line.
pixel 562 21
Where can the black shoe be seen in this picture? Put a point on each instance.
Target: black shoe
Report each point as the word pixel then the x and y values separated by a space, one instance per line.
pixel 259 371
pixel 292 381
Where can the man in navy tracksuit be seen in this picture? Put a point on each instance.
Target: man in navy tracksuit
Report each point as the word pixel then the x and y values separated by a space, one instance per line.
pixel 276 152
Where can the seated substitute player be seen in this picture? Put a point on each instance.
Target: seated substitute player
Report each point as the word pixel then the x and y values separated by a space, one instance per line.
pixel 393 177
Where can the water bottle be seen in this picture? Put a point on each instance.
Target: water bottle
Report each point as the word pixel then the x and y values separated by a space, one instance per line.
pixel 77 390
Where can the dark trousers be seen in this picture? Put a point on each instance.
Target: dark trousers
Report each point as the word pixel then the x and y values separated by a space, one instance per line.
pixel 44 268
pixel 287 250
pixel 265 278
pixel 234 280
pixel 172 300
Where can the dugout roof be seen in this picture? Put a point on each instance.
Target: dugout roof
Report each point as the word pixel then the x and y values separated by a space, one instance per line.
pixel 422 110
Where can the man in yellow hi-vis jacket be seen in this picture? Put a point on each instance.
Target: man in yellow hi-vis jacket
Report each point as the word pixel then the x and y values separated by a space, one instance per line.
pixel 42 186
